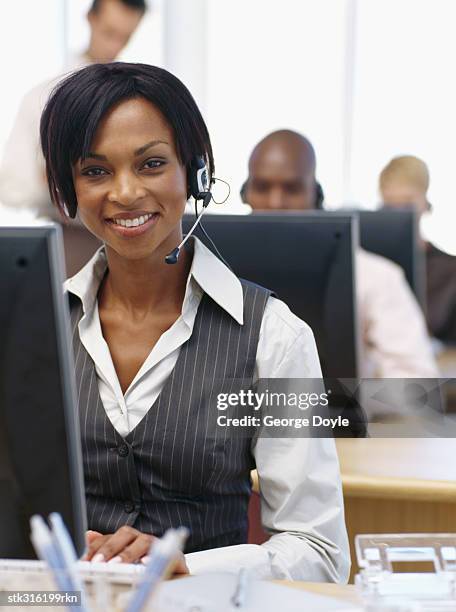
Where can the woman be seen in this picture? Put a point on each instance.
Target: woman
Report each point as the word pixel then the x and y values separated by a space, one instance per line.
pixel 404 183
pixel 153 344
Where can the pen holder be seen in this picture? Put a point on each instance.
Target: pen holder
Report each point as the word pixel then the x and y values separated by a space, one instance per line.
pixel 383 588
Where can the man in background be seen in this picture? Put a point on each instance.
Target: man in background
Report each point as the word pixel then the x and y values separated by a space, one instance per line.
pixel 404 182
pixel 112 24
pixel 282 175
pixel 22 172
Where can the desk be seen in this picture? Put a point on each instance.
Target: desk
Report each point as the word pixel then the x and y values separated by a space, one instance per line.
pixel 393 486
pixel 42 581
pixel 398 485
pixel 344 592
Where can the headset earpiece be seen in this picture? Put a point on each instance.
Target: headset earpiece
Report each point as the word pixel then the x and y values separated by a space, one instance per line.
pixel 243 192
pixel 319 195
pixel 69 211
pixel 198 178
pixel 198 187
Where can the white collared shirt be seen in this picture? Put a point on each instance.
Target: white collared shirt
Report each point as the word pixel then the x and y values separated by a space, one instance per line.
pixel 395 341
pixel 23 184
pixel 301 497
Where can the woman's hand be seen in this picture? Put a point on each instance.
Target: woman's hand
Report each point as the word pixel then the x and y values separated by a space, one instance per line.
pixel 127 545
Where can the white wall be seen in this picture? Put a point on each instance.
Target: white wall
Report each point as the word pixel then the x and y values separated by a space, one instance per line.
pixel 276 65
pixel 405 100
pixel 365 80
pixel 31 48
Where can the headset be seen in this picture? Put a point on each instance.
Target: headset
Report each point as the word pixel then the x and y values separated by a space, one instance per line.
pixel 198 178
pixel 199 188
pixel 319 194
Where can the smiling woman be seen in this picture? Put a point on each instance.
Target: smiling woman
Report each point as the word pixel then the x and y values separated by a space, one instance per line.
pixel 124 190
pixel 155 343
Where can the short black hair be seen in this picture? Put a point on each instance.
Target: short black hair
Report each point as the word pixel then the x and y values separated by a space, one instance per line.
pixel 79 102
pixel 139 5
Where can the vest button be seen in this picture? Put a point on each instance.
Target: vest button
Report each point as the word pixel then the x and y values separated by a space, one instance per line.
pixel 123 450
pixel 129 507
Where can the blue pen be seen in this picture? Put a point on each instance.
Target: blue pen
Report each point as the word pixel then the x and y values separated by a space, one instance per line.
pixel 41 538
pixel 162 554
pixel 239 597
pixel 64 545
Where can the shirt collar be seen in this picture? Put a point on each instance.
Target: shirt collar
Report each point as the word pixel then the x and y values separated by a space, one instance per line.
pixel 222 285
pixel 207 271
pixel 86 282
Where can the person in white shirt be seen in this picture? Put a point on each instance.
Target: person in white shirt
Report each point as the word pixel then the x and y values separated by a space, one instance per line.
pixel 124 146
pixel 22 174
pixel 395 344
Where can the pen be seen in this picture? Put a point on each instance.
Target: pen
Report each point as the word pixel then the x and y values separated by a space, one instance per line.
pixel 238 599
pixel 42 542
pixel 64 546
pixel 162 555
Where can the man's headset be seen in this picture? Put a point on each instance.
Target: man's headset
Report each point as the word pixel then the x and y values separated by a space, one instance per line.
pixel 319 194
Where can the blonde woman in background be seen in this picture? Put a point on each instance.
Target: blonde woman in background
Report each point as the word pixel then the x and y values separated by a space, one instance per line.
pixel 405 182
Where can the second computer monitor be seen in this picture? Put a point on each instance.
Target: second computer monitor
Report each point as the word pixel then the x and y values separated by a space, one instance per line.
pixel 308 261
pixel 394 234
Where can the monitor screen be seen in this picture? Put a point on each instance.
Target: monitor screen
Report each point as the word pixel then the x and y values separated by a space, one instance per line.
pixel 40 455
pixel 393 234
pixel 308 261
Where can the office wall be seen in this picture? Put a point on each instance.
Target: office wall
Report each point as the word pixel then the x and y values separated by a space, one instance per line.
pixel 31 50
pixel 276 65
pixel 404 100
pixel 364 79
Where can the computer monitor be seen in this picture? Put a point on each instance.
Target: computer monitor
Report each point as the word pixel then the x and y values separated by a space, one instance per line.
pixel 40 455
pixel 394 234
pixel 308 261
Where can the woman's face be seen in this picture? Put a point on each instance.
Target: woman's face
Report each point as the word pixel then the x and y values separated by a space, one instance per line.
pixel 132 189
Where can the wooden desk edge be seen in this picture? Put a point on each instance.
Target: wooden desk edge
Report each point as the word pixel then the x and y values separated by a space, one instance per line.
pixel 379 487
pixel 344 592
pixel 355 485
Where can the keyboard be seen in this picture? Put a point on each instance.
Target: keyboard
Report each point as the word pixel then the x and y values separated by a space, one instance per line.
pixel 115 573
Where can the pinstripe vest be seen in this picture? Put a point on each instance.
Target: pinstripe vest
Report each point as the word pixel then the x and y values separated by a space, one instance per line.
pixel 176 467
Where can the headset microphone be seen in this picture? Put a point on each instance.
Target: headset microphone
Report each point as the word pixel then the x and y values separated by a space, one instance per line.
pixel 172 257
